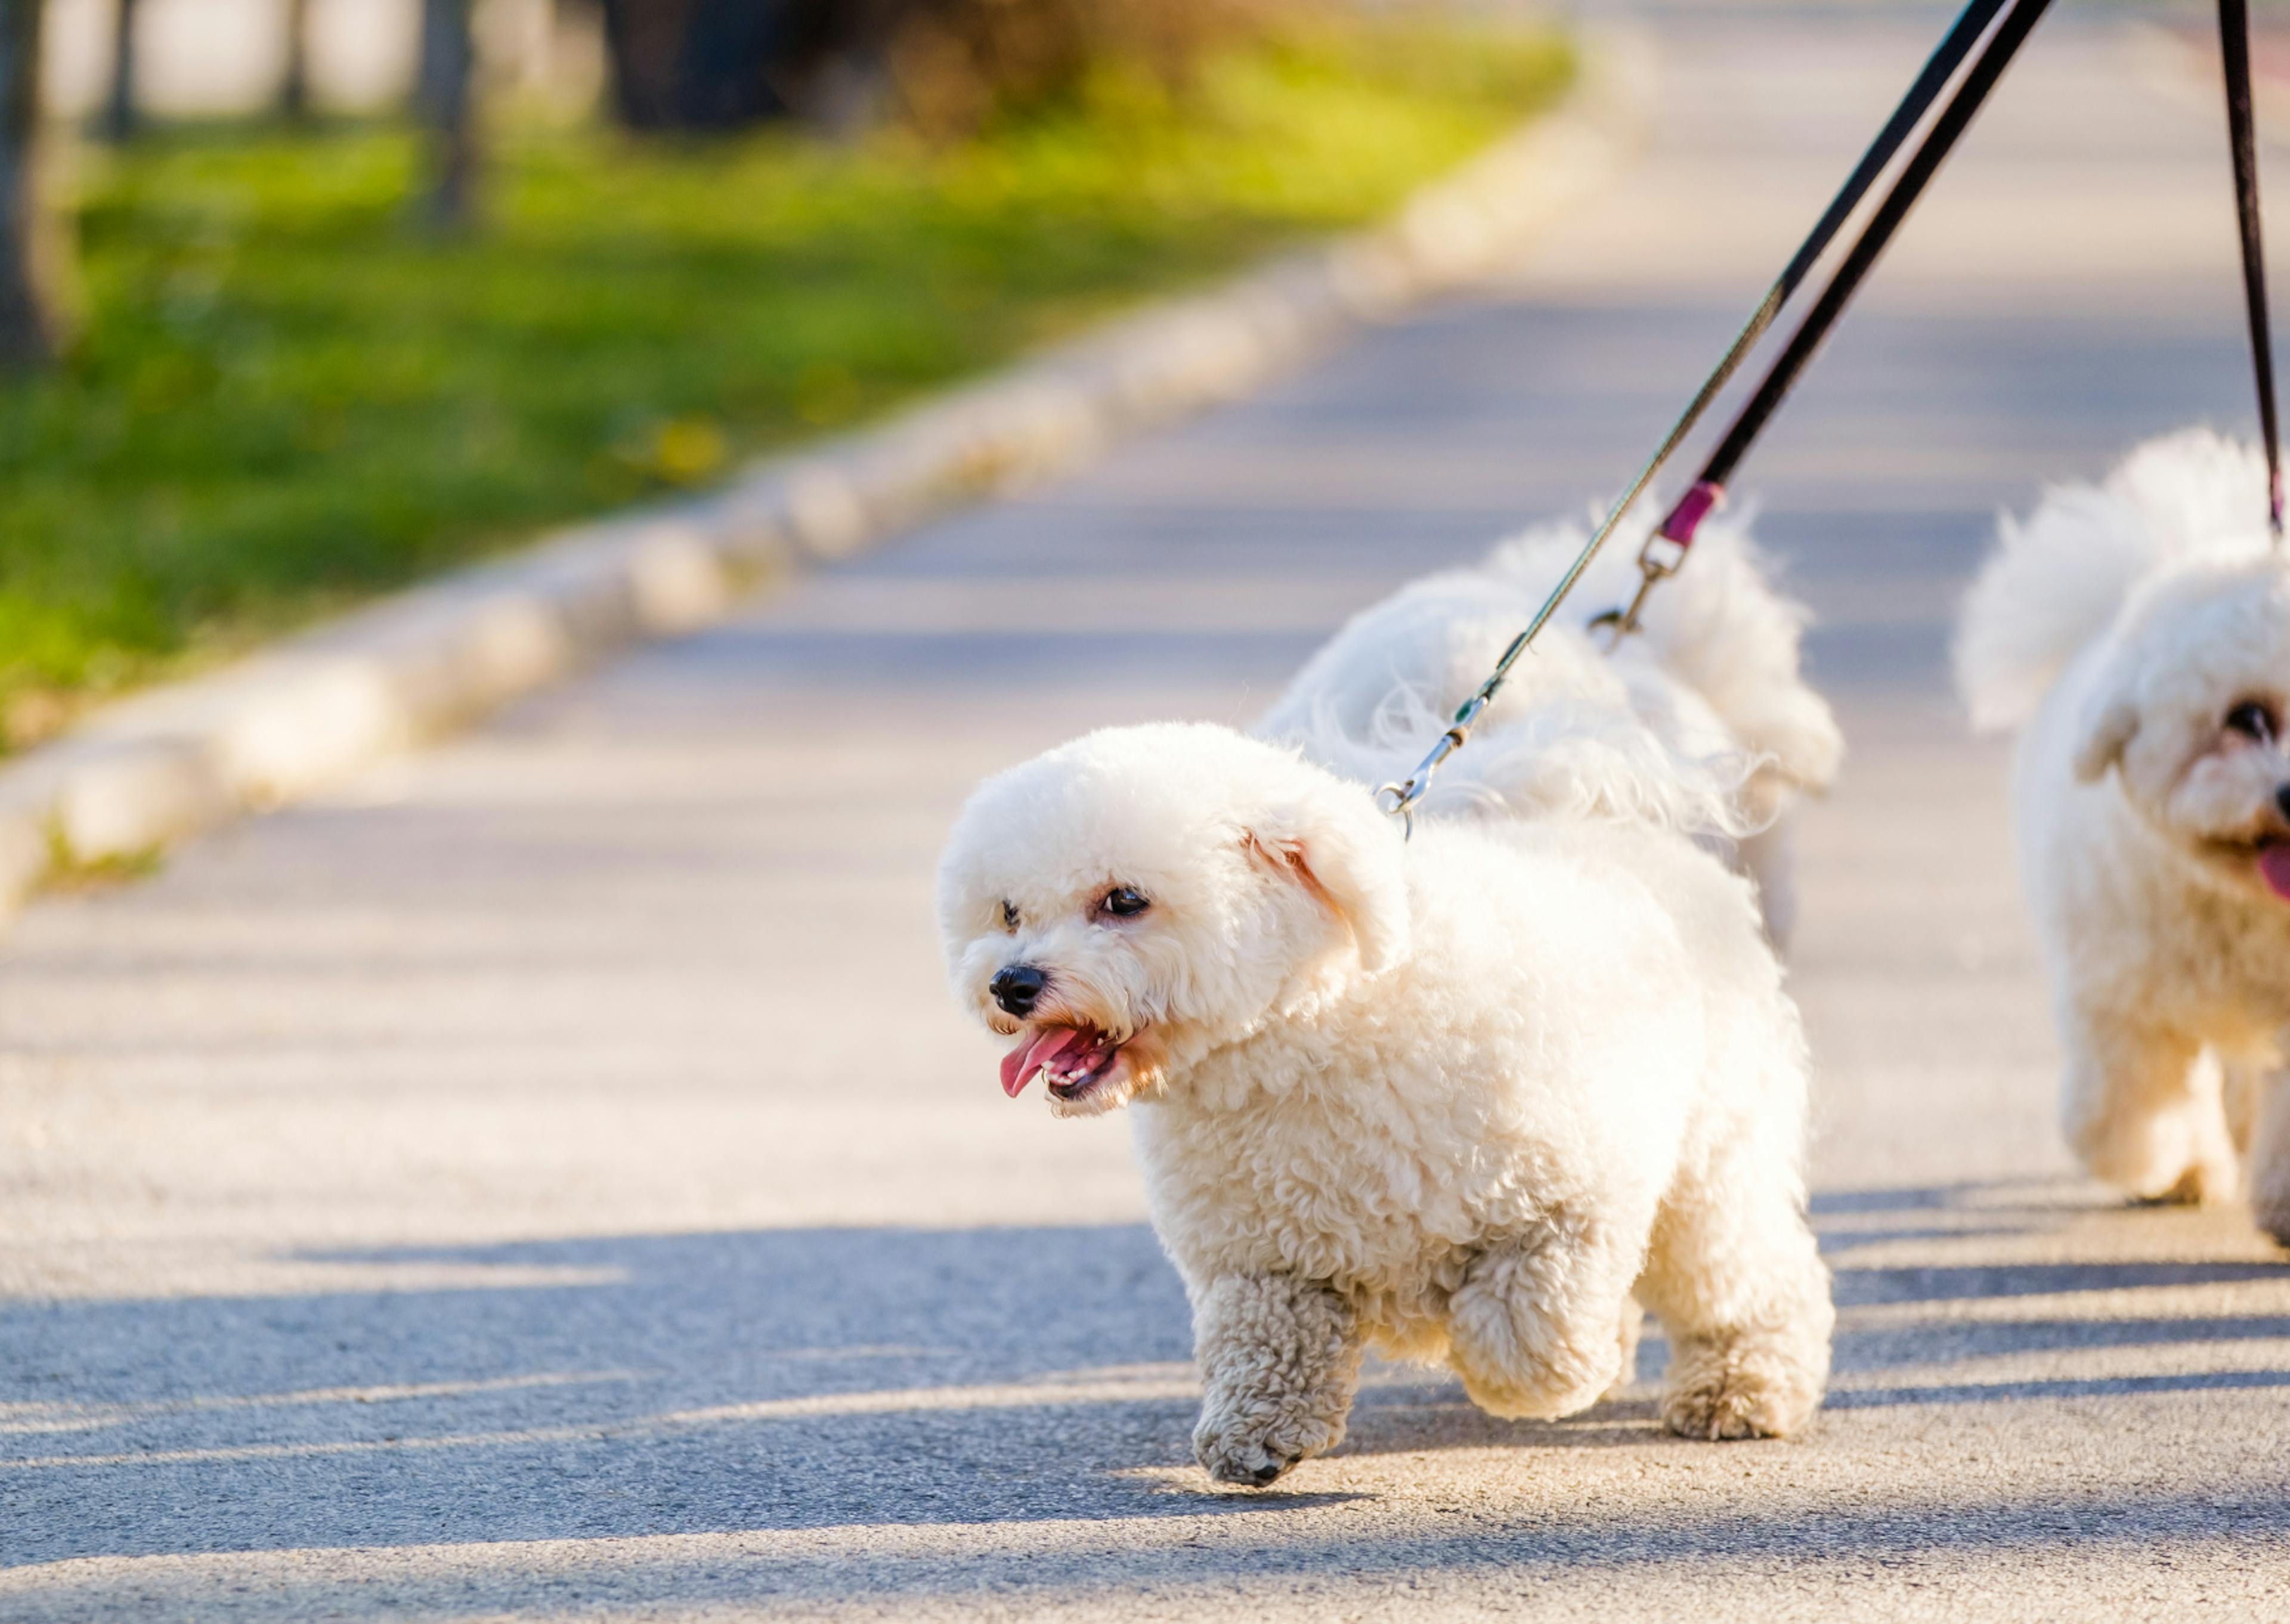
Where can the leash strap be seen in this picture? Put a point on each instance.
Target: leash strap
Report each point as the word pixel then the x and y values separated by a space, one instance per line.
pixel 1708 488
pixel 1923 92
pixel 2241 128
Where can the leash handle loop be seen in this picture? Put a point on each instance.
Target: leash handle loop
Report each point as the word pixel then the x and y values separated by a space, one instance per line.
pixel 2242 140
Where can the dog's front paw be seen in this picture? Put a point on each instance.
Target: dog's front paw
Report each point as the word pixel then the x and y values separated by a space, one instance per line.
pixel 1242 1460
pixel 1279 1358
pixel 1253 1456
pixel 1523 1350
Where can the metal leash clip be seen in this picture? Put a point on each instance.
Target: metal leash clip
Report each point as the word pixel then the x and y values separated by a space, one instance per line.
pixel 1662 557
pixel 1398 800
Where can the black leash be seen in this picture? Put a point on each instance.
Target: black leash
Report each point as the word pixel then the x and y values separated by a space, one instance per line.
pixel 1923 92
pixel 1709 489
pixel 1970 25
pixel 2234 52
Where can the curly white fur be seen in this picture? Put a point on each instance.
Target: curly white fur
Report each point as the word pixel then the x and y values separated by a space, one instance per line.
pixel 2139 632
pixel 1459 1098
pixel 1703 722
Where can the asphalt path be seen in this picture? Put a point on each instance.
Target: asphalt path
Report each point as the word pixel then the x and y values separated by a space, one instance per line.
pixel 549 1179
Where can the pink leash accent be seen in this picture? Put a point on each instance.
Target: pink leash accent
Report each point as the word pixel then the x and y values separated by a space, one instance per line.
pixel 1678 531
pixel 1696 505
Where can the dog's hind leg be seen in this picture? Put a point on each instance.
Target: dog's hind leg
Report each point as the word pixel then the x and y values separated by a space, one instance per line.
pixel 1279 1361
pixel 1735 1277
pixel 1633 1327
pixel 2142 1106
pixel 1542 1323
pixel 2269 1154
pixel 1769 858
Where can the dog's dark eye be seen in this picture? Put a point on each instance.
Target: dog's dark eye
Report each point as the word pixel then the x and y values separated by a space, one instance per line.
pixel 1009 915
pixel 2253 720
pixel 1123 902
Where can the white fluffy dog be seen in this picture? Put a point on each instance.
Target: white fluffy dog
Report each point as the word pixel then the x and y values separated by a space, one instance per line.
pixel 1705 709
pixel 2140 632
pixel 1456 1099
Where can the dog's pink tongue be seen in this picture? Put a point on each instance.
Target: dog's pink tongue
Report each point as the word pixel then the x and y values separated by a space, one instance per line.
pixel 2274 866
pixel 1035 1051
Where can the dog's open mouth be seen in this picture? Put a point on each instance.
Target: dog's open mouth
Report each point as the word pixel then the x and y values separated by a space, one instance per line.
pixel 2274 866
pixel 2268 857
pixel 1072 1061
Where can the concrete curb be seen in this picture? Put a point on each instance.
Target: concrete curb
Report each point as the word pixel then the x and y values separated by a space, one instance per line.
pixel 165 764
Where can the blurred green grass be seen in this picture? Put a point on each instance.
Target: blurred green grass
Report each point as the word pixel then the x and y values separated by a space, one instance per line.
pixel 285 397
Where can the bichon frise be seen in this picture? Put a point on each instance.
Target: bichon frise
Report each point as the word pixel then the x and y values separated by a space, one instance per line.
pixel 2140 633
pixel 1454 1099
pixel 1711 681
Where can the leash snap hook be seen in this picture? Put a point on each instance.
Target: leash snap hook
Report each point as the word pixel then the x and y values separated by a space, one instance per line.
pixel 1653 568
pixel 1398 800
pixel 1662 556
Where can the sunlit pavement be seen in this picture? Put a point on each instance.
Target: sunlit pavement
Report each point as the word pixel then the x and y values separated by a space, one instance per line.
pixel 550 1179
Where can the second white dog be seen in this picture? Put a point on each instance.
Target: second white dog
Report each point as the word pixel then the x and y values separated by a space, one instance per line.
pixel 1456 1099
pixel 2140 632
pixel 1703 721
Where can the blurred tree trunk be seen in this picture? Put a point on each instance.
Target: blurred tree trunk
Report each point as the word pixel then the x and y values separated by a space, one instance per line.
pixel 720 64
pixel 447 95
pixel 294 86
pixel 640 39
pixel 119 101
pixel 723 70
pixel 27 337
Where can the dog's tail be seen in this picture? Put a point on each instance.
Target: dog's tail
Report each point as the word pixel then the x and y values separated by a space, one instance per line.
pixel 2059 579
pixel 1718 626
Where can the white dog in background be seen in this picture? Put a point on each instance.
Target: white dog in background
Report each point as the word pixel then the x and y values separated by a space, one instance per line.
pixel 2140 633
pixel 1454 1099
pixel 1705 706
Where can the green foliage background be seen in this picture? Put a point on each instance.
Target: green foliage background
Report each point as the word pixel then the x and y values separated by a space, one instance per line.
pixel 285 397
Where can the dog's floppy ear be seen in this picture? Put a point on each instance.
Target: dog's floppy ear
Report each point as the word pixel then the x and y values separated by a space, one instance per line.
pixel 2103 733
pixel 1348 855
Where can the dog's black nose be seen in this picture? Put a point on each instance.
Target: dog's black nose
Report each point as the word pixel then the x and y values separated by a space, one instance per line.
pixel 2282 799
pixel 1015 987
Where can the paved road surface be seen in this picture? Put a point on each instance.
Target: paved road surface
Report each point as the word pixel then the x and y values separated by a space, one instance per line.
pixel 550 1180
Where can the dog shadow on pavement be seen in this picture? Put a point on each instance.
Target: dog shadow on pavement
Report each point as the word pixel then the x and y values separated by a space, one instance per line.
pixel 616 1386
pixel 623 1387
